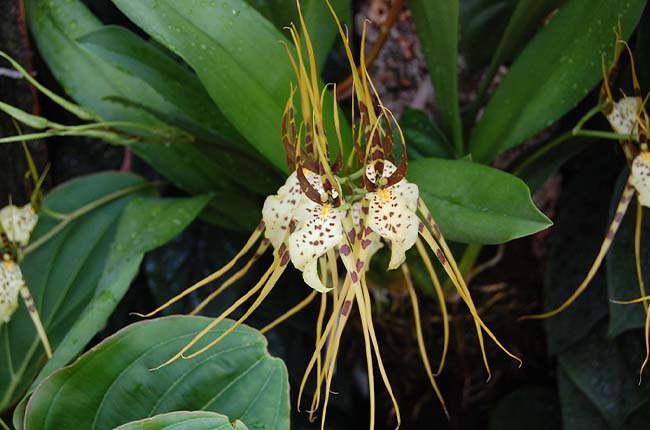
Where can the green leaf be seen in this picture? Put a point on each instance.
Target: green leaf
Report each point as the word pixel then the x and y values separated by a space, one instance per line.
pixel 62 275
pixel 437 27
pixel 232 49
pixel 237 378
pixel 197 420
pixel 622 282
pixel 145 224
pixel 190 106
pixel 473 203
pixel 553 73
pixel 92 82
pixel 423 137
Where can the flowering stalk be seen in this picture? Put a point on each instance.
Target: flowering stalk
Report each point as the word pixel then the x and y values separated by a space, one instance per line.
pixel 330 210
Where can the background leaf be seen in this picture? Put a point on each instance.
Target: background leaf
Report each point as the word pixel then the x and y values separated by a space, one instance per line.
pixel 555 71
pixel 538 407
pixel 237 377
pixel 473 203
pixel 437 27
pixel 198 420
pixel 423 137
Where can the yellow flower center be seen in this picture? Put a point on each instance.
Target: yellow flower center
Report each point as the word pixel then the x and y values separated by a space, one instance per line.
pixel 324 211
pixel 384 195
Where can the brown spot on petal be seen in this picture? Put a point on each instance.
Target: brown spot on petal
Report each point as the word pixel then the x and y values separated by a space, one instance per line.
pixel 352 236
pixel 359 265
pixel 261 226
pixel 345 250
pixel 420 227
pixel 354 277
pixel 345 309
pixel 618 217
pixel 441 257
pixel 285 259
pixel 437 232
pixel 610 235
pixel 366 243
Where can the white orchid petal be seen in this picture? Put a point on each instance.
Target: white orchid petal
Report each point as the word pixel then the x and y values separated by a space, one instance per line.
pixel 18 223
pixel 392 216
pixel 278 209
pixel 623 117
pixel 319 230
pixel 640 179
pixel 11 281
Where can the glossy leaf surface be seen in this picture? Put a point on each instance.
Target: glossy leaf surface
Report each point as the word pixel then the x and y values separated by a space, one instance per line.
pixel 473 203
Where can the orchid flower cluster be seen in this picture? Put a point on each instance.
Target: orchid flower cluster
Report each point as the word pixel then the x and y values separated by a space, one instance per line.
pixel 628 118
pixel 16 226
pixel 330 210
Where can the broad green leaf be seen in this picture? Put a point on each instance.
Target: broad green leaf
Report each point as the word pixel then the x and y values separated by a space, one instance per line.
pixel 145 224
pixel 56 26
pixel 620 266
pixel 190 105
pixel 437 27
pixel 62 275
pixel 239 57
pixel 538 407
pixel 237 378
pixel 423 137
pixel 198 420
pixel 553 73
pixel 473 203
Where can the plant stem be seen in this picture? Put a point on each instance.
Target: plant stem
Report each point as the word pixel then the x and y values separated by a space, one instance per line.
pixel 84 210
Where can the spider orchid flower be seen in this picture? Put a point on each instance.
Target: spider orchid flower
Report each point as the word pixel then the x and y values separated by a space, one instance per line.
pixel 626 116
pixel 16 226
pixel 328 212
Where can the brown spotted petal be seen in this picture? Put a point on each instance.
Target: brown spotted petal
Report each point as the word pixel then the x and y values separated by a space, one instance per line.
pixel 18 223
pixel 392 216
pixel 278 210
pixel 11 280
pixel 319 229
pixel 640 178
